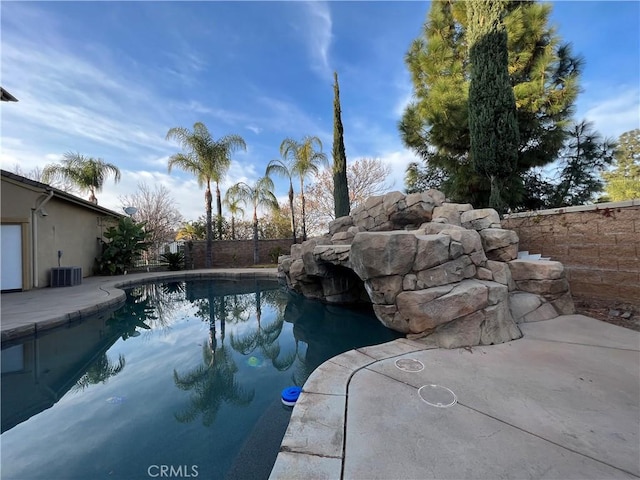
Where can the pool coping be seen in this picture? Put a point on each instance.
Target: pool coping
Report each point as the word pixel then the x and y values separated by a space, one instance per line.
pixel 314 444
pixel 25 314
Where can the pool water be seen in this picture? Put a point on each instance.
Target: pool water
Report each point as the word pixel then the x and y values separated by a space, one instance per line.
pixel 183 381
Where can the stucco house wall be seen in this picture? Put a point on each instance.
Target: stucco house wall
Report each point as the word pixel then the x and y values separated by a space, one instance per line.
pixel 70 224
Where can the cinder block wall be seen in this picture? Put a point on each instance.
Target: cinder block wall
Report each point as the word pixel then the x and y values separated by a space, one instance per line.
pixel 234 253
pixel 599 246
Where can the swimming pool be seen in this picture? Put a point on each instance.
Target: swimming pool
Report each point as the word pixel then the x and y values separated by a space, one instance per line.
pixel 182 381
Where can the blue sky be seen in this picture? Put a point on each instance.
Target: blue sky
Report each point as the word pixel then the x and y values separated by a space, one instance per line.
pixel 108 79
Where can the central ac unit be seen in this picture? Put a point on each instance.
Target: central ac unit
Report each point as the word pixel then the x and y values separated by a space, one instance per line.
pixel 66 276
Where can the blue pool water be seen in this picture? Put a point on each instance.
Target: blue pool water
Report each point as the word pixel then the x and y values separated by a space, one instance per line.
pixel 184 380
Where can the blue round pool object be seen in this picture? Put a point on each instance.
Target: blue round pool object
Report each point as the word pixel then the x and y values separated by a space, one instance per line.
pixel 290 395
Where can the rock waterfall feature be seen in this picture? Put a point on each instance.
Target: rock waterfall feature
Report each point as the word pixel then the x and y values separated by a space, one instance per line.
pixel 430 268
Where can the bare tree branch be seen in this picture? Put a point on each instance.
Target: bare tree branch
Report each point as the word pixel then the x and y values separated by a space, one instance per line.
pixel 366 177
pixel 158 209
pixel 36 174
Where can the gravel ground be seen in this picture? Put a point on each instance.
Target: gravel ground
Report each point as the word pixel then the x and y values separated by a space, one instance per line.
pixel 621 314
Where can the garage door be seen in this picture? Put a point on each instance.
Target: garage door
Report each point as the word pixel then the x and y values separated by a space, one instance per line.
pixel 11 258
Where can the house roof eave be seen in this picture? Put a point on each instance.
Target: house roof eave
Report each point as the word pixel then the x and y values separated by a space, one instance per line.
pixel 44 188
pixel 6 96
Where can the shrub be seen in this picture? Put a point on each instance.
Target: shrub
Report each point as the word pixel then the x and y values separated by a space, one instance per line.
pixel 175 260
pixel 125 243
pixel 274 253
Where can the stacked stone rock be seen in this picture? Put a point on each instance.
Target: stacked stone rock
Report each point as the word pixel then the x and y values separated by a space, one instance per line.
pixel 430 268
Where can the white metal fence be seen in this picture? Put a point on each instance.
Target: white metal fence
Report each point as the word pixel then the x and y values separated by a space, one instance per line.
pixel 151 258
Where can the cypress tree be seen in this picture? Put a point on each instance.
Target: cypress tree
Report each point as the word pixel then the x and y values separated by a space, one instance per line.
pixel 493 126
pixel 542 71
pixel 340 186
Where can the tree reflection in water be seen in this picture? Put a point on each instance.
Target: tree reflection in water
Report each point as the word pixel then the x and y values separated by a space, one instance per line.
pixel 319 333
pixel 213 382
pixel 265 338
pixel 327 331
pixel 99 372
pixel 147 306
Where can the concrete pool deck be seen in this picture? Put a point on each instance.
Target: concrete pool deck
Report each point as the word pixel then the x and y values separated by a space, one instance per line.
pixel 562 402
pixel 26 313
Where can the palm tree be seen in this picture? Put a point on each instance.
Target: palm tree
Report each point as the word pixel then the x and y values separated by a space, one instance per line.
pixel 261 194
pixel 87 173
pixel 194 230
pixel 284 168
pixel 233 204
pixel 208 160
pixel 224 148
pixel 306 160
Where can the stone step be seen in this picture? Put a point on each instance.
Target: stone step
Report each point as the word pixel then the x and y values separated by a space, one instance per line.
pixel 525 255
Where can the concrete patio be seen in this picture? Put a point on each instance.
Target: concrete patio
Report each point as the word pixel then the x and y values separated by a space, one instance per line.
pixel 560 403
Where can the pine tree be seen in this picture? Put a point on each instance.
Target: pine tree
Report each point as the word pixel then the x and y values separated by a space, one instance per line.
pixel 544 76
pixel 584 155
pixel 340 187
pixel 492 111
pixel 623 182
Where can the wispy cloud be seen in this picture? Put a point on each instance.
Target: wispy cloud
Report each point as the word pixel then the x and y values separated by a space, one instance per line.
pixel 263 113
pixel 73 100
pixel 184 65
pixel 188 198
pixel 241 172
pixel 616 112
pixel 398 160
pixel 194 106
pixel 254 129
pixel 319 36
pixel 15 152
pixel 404 89
pixel 63 95
pixel 401 104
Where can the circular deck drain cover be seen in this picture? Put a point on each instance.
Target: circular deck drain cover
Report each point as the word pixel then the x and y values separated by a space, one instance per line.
pixel 437 396
pixel 409 365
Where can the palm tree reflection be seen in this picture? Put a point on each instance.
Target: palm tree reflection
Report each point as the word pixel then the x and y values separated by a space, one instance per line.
pixel 265 338
pixel 147 306
pixel 212 384
pixel 258 319
pixel 99 372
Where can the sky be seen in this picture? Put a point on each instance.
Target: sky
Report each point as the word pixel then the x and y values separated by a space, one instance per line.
pixel 109 79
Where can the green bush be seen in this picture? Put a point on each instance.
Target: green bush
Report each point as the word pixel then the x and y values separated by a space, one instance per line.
pixel 274 253
pixel 175 260
pixel 125 243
